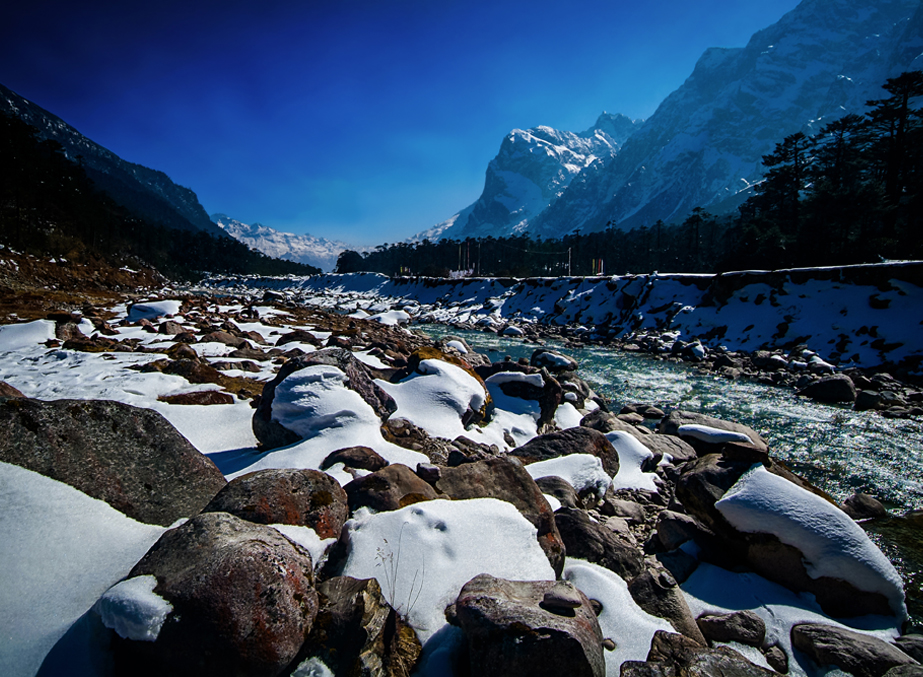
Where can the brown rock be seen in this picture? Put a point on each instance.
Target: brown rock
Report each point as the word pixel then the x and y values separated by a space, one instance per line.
pixel 202 397
pixel 390 488
pixel 579 440
pixel 286 496
pixel 242 596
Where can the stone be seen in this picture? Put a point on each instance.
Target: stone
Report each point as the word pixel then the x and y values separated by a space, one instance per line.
pixel 298 336
pixel 225 338
pixel 677 448
pixel 674 529
pixel 578 440
pixel 658 594
pixel 593 542
pixel 242 595
pixel 646 410
pixel 407 434
pixel 553 361
pixel 272 434
pixel 912 645
pixel 608 422
pixel 507 480
pixel 508 631
pixel 86 444
pixel 170 328
pixel 390 488
pixel 620 507
pixel 362 458
pixel 863 506
pixel 193 370
pixel 561 489
pixel 905 671
pixel 831 390
pixel 671 426
pixel 867 399
pixel 745 627
pixel 201 397
pixel 674 655
pixel 358 633
pixel 6 390
pixel 777 658
pixel 857 653
pixel 307 498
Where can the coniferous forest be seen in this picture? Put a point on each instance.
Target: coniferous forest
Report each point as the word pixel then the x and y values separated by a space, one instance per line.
pixel 852 193
pixel 48 206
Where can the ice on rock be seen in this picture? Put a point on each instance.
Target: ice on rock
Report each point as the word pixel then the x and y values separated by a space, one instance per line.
pixel 133 609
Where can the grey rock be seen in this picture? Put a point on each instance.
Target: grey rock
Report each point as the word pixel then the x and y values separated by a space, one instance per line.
pixel 358 633
pixel 553 361
pixel 561 489
pixel 745 627
pixel 863 506
pixel 578 440
pixel 912 645
pixel 508 632
pixel 777 658
pixel 677 418
pixel 363 458
pixel 592 541
pixel 658 594
pixel 831 389
pixel 862 655
pixel 674 655
pixel 129 457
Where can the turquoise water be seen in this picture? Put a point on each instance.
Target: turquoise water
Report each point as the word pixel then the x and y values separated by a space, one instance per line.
pixel 837 449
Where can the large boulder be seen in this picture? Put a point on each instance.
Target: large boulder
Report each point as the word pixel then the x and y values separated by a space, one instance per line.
pixel 831 389
pixel 594 542
pixel 658 594
pixel 707 434
pixel 129 457
pixel 307 498
pixel 578 440
pixel 554 362
pixel 506 479
pixel 358 633
pixel 672 655
pixel 745 627
pixel 855 652
pixel 779 528
pixel 529 628
pixel 391 488
pixel 242 597
pixel 273 434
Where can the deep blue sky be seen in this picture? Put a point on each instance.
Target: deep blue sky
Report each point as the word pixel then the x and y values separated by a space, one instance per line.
pixel 358 121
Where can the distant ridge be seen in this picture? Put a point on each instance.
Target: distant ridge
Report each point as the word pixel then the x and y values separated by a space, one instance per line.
pixel 147 192
pixel 306 248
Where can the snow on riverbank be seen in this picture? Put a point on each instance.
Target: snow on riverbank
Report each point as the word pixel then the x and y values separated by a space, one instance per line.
pixel 866 315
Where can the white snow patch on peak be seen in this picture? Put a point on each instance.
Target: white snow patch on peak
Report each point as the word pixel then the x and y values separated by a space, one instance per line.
pixel 133 609
pixel 832 543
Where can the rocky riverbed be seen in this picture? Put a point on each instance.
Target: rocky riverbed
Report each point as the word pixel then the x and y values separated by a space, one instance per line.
pixel 201 485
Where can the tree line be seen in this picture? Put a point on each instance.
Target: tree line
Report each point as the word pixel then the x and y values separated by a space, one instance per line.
pixel 852 193
pixel 49 206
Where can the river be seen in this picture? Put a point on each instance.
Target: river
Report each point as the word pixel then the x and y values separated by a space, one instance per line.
pixel 836 448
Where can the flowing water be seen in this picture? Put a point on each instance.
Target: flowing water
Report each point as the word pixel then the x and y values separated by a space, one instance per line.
pixel 837 449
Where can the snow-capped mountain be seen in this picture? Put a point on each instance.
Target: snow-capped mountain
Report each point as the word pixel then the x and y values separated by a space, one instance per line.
pixel 532 169
pixel 704 144
pixel 146 191
pixel 314 251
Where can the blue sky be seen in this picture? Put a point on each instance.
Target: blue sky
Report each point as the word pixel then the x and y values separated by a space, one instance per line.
pixel 359 121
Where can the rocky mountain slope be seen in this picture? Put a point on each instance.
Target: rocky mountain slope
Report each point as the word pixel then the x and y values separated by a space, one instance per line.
pixel 314 251
pixel 532 169
pixel 145 191
pixel 703 146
